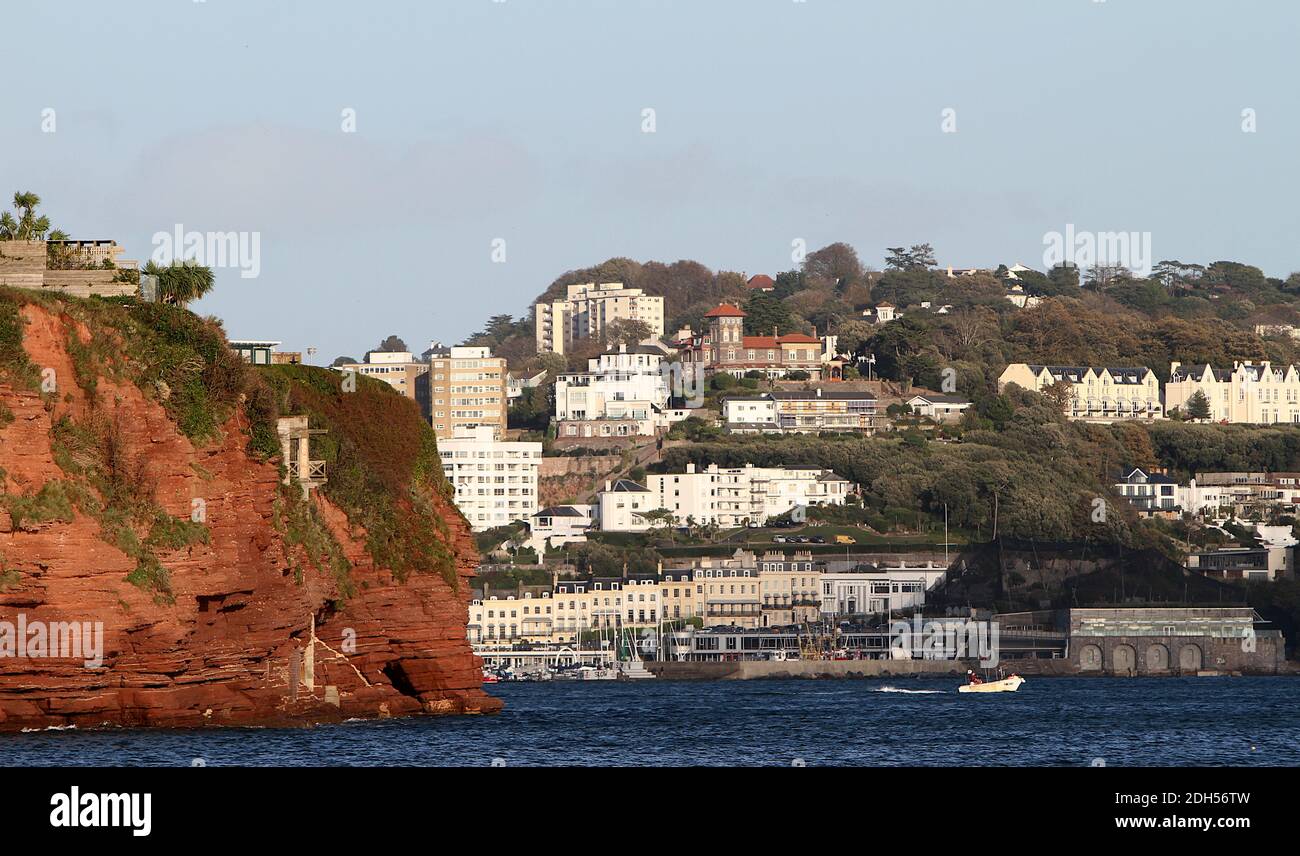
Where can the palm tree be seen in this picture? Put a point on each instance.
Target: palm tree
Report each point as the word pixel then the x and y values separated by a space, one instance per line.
pixel 180 282
pixel 28 226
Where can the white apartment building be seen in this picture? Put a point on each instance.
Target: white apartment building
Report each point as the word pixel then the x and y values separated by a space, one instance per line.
pixel 622 505
pixel 495 480
pixel 878 592
pixel 627 390
pixel 398 369
pixel 465 388
pixel 588 309
pixel 1252 393
pixel 800 411
pixel 742 495
pixel 1097 394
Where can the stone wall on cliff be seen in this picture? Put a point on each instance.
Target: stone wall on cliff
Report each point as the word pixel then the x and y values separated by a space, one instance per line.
pixel 215 635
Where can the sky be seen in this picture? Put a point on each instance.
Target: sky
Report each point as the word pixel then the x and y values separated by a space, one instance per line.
pixel 413 168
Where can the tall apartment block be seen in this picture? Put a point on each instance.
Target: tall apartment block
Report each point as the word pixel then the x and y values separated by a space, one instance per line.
pixel 495 480
pixel 588 308
pixel 465 388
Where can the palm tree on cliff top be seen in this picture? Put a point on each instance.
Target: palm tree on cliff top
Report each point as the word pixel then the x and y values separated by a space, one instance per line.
pixel 180 282
pixel 27 226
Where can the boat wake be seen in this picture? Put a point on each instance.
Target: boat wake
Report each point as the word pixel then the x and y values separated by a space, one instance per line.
pixel 908 692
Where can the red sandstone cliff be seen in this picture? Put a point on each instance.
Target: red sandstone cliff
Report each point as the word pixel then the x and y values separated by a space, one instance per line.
pixel 219 649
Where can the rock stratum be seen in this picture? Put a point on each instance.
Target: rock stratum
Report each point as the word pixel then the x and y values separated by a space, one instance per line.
pixel 143 493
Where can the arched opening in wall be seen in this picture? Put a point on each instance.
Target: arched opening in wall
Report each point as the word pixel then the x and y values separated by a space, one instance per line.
pixel 1189 658
pixel 1124 660
pixel 1157 658
pixel 1089 658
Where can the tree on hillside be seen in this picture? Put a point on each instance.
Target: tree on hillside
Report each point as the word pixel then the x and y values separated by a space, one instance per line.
pixel 788 283
pixel 1105 274
pixel 765 313
pixel 1198 406
pixel 835 263
pixel 180 282
pixel 27 226
pixel 392 344
pixel 916 257
pixel 1060 394
pixel 626 331
pixel 342 361
pixel 497 329
pixel 1064 277
pixel 1172 272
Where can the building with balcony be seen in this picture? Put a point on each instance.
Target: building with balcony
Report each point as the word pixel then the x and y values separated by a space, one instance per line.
pixel 1252 393
pixel 939 407
pixel 624 393
pixel 878 591
pixel 1094 394
pixel 495 480
pixel 588 309
pixel 465 387
pixel 557 525
pixel 801 411
pixel 738 496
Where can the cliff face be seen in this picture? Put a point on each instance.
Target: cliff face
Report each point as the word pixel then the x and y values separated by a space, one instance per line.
pixel 213 582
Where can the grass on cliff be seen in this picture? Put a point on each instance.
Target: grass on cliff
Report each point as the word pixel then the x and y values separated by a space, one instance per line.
pixel 16 368
pixel 118 491
pixel 381 463
pixel 51 502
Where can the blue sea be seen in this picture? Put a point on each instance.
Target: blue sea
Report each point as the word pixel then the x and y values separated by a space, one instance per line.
pixel 1050 721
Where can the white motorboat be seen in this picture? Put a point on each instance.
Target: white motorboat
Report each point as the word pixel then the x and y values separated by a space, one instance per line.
pixel 1006 685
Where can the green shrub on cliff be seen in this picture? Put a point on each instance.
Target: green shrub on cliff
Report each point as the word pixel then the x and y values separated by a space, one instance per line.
pixel 382 465
pixel 15 367
pixel 51 502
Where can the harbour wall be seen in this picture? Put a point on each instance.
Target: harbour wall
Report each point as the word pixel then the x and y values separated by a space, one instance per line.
pixel 749 670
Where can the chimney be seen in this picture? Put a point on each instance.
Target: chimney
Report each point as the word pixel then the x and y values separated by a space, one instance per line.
pixel 608 485
pixel 819 392
pixel 690 468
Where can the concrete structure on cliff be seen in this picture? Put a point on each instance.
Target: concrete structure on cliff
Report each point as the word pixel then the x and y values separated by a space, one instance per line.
pixel 80 268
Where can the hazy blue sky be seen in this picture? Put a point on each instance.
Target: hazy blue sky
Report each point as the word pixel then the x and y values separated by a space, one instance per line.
pixel 522 120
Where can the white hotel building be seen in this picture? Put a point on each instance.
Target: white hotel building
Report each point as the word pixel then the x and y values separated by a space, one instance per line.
pixel 742 495
pixel 495 480
pixel 880 591
pixel 1097 393
pixel 620 394
pixel 1252 393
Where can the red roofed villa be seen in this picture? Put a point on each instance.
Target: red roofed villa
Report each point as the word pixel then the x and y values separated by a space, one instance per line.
pixel 725 347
